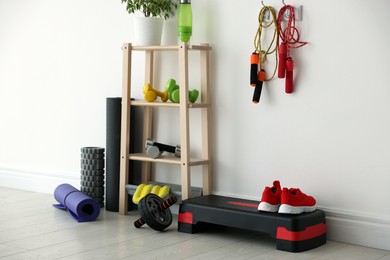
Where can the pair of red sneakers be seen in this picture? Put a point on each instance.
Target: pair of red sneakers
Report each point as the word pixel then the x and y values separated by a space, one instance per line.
pixel 286 201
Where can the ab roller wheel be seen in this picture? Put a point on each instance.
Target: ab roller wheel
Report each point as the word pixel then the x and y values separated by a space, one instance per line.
pixel 155 212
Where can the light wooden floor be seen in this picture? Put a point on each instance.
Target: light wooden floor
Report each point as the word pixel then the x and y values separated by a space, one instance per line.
pixel 30 228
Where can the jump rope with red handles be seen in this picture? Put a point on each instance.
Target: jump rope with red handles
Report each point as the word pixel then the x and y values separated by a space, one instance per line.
pixel 284 64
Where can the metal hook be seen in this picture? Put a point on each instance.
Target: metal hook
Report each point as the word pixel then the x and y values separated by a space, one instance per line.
pixel 262 3
pixel 283 3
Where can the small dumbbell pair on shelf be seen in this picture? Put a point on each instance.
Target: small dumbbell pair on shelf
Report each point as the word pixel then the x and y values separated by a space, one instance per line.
pixel 155 149
pixel 172 93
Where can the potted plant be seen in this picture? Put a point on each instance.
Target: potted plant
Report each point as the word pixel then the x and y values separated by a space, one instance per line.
pixel 148 26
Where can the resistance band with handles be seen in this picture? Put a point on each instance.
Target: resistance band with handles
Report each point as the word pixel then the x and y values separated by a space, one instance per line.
pixel 289 37
pixel 259 56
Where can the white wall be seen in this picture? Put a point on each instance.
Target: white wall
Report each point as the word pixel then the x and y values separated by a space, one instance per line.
pixel 60 60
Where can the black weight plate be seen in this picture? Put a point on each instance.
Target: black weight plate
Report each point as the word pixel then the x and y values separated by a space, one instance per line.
pixel 152 215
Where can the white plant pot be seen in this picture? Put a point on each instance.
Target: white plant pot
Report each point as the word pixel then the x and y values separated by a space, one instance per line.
pixel 148 30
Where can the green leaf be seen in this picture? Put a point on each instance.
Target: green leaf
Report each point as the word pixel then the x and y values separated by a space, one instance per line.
pixel 157 8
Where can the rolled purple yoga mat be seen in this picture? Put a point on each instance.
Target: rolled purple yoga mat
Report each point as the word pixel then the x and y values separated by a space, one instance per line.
pixel 82 207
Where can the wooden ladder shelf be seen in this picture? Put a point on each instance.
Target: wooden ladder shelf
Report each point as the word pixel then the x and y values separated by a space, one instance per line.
pixel 185 161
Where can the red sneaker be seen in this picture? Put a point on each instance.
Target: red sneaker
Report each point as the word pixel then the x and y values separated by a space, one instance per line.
pixel 294 201
pixel 270 200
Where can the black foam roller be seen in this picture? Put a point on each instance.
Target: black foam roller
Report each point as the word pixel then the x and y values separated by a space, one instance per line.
pixel 113 136
pixel 113 145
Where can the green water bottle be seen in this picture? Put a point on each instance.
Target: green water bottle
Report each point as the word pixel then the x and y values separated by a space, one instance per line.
pixel 184 23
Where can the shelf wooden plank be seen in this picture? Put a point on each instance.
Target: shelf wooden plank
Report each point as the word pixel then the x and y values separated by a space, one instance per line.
pixel 153 104
pixel 169 48
pixel 156 48
pixel 165 104
pixel 195 162
pixel 198 105
pixel 165 159
pixel 200 47
pixel 161 159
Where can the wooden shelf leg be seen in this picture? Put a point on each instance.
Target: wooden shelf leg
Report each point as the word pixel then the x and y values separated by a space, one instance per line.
pixel 184 122
pixel 148 114
pixel 147 133
pixel 125 129
pixel 207 139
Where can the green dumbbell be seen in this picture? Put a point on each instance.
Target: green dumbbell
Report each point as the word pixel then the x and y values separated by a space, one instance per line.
pixel 170 87
pixel 174 92
pixel 192 95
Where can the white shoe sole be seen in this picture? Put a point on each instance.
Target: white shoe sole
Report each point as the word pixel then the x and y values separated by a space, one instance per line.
pixel 287 209
pixel 265 206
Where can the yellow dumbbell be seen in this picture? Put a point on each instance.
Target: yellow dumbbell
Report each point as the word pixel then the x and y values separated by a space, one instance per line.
pixel 151 94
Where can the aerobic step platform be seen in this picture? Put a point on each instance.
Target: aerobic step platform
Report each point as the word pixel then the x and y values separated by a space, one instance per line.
pixel 293 233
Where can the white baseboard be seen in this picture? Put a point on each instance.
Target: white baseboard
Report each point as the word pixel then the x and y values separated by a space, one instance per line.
pixel 35 180
pixel 357 228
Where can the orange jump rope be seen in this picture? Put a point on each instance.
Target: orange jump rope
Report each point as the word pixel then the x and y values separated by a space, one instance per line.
pixel 259 56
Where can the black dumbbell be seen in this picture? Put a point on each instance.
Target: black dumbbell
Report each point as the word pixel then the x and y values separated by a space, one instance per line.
pixel 154 149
